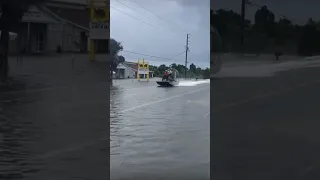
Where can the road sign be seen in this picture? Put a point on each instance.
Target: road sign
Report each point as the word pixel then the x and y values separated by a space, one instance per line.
pixel 143 71
pixel 99 21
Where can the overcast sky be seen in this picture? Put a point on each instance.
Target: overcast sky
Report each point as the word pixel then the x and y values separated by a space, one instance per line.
pixel 298 11
pixel 164 36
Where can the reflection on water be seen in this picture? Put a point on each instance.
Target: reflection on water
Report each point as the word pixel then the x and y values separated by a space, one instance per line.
pixel 168 140
pixel 16 136
pixel 54 125
pixel 43 133
pixel 54 134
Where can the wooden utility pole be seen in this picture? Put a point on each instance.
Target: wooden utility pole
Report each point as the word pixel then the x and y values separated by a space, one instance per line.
pixel 186 62
pixel 243 12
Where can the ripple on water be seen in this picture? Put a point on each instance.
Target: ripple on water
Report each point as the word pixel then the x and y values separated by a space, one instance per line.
pixel 160 140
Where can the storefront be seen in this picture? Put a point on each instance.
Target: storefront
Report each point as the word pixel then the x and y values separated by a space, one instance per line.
pixel 43 31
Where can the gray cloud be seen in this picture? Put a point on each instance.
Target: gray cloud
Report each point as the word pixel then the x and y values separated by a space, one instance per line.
pixel 201 6
pixel 193 3
pixel 162 38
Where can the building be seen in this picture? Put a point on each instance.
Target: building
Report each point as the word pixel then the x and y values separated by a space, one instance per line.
pixel 125 71
pixel 128 70
pixel 56 26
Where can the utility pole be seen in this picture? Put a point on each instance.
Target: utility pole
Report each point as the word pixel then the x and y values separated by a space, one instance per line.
pixel 243 12
pixel 186 63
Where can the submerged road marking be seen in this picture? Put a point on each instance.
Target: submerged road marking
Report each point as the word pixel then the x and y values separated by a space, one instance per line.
pixel 81 146
pixel 162 100
pixel 262 96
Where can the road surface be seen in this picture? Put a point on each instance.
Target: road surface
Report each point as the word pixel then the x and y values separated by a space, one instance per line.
pixel 158 133
pixel 265 122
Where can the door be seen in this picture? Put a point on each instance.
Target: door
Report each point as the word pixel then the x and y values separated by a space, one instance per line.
pixel 40 41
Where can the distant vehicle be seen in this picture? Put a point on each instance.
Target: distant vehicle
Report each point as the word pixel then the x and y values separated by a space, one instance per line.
pixel 216 50
pixel 170 78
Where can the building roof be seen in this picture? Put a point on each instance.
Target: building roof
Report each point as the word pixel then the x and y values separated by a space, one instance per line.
pixel 132 65
pixel 80 17
pixel 76 12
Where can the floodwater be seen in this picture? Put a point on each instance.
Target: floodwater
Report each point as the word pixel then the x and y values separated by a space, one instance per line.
pixel 54 124
pixel 160 133
pixel 54 120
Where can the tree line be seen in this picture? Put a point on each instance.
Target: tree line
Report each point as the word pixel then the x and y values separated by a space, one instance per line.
pixel 192 72
pixel 11 13
pixel 265 34
pixel 115 48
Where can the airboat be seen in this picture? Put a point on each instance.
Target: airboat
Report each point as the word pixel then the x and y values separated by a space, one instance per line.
pixel 172 80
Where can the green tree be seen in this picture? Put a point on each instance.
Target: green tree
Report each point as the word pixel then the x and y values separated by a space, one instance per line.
pixel 180 68
pixel 193 68
pixel 309 39
pixel 264 20
pixel 122 59
pixel 216 41
pixel 174 66
pixel 283 31
pixel 115 48
pixel 206 73
pixel 264 24
pixel 198 71
pixel 11 15
pixel 228 24
pixel 162 68
pixel 154 69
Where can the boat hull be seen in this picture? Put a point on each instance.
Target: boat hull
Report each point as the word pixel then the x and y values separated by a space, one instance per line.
pixel 167 83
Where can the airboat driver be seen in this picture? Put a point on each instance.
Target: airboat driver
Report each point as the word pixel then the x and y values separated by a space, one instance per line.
pixel 166 75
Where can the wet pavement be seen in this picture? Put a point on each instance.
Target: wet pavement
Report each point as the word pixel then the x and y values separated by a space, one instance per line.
pixel 54 123
pixel 156 133
pixel 264 122
pixel 54 120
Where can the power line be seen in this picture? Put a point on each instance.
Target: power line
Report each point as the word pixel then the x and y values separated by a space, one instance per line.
pixel 133 9
pixel 157 57
pixel 159 17
pixel 132 16
pixel 178 54
pixel 138 19
pixel 139 13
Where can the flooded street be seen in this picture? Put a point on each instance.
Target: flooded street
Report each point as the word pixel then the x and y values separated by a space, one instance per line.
pixel 54 120
pixel 54 124
pixel 160 133
pixel 265 121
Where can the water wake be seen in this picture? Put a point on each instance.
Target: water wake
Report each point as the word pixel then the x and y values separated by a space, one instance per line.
pixel 193 82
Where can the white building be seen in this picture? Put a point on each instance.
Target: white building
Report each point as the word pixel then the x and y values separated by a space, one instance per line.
pixel 127 70
pixel 55 25
pixel 124 71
